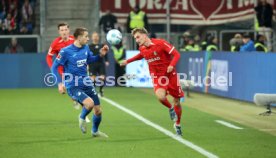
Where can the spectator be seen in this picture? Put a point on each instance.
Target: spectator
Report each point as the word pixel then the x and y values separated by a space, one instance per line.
pixel 14 47
pixel 137 19
pixel 212 44
pixel 27 11
pixel 26 27
pixel 197 45
pixel 2 9
pixel 1 26
pixel 119 55
pixel 108 22
pixel 13 8
pixel 236 43
pixel 259 45
pixel 248 44
pixel 184 39
pixel 204 43
pixel 264 14
pixel 189 47
pixel 2 29
pixel 9 24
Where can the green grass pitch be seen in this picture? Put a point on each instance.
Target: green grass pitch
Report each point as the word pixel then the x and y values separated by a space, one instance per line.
pixel 42 123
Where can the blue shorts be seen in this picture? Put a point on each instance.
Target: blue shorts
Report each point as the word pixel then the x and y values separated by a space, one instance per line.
pixel 81 93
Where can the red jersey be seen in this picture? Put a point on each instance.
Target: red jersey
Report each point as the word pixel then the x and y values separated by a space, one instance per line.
pixel 55 47
pixel 159 55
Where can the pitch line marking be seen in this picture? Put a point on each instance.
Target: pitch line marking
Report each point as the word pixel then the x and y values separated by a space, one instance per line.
pixel 161 129
pixel 227 124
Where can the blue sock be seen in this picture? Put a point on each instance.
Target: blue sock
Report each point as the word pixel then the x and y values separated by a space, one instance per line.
pixel 96 122
pixel 84 113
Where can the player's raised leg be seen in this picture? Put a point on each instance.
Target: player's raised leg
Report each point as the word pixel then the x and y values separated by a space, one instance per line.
pixel 178 111
pixel 161 95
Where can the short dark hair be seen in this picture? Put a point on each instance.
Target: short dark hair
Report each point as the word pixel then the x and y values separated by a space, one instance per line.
pixel 246 35
pixel 62 24
pixel 140 30
pixel 79 31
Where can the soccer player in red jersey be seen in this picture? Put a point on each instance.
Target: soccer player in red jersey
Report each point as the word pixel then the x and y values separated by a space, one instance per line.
pixel 65 39
pixel 162 58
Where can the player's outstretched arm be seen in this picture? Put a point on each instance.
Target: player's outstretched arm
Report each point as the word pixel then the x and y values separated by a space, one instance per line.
pixel 123 63
pixel 136 57
pixel 91 58
pixel 104 50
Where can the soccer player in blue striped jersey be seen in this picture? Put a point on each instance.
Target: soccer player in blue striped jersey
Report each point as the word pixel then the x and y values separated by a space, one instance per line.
pixel 75 58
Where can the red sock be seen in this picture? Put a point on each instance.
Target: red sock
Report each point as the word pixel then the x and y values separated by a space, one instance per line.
pixel 178 111
pixel 166 103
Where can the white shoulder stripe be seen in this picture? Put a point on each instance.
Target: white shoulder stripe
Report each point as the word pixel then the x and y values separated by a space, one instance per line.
pixel 171 50
pixel 167 45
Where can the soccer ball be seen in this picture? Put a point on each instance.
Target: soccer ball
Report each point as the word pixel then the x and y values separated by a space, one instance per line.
pixel 114 37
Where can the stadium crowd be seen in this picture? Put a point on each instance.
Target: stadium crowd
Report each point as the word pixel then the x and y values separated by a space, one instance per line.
pixel 17 17
pixel 193 40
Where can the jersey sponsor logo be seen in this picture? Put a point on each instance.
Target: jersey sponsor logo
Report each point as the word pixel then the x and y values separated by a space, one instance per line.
pixel 153 59
pixel 81 63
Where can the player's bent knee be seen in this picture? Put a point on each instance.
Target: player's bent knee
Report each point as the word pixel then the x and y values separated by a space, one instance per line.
pixel 88 103
pixel 97 110
pixel 160 94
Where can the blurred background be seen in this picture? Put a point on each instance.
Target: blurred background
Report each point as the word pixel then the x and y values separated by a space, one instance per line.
pixel 194 19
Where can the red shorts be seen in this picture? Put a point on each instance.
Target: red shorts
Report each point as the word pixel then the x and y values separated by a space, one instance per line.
pixel 170 83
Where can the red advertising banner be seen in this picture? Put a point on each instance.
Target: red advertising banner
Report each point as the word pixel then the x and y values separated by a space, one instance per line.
pixel 189 12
